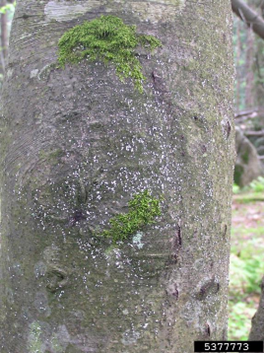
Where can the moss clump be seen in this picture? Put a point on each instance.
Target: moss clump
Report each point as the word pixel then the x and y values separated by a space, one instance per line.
pixel 142 210
pixel 108 39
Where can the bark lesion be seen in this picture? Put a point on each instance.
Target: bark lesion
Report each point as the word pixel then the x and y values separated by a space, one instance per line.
pixel 209 287
pixel 56 274
pixel 57 278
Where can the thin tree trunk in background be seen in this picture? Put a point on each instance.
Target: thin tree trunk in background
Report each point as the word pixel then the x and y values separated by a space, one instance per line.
pixel 259 73
pixel 78 144
pixel 4 34
pixel 249 98
pixel 258 67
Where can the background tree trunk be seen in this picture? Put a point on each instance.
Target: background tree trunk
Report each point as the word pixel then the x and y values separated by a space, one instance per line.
pixel 250 51
pixel 257 329
pixel 78 144
pixel 4 36
pixel 238 53
pixel 249 70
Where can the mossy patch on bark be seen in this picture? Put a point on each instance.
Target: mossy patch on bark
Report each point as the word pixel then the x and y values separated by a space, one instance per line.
pixel 142 210
pixel 110 40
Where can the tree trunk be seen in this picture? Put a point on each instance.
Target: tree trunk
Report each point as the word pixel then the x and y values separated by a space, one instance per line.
pixel 257 329
pixel 249 65
pixel 249 71
pixel 4 36
pixel 238 54
pixel 78 144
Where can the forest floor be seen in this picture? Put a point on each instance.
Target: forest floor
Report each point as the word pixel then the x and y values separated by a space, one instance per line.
pixel 246 264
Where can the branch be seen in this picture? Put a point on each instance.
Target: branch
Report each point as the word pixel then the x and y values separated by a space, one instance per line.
pixel 250 17
pixel 254 133
pixel 252 113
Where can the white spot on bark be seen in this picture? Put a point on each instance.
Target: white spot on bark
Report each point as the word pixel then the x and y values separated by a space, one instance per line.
pixel 34 73
pixel 130 337
pixel 9 73
pixel 125 312
pixel 40 269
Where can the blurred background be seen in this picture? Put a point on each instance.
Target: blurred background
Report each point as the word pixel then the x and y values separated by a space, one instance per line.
pixel 247 239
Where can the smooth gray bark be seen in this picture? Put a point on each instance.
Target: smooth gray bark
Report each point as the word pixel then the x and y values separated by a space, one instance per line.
pixel 77 144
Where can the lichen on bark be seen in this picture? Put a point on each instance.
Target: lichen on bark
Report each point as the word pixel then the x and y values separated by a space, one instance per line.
pixel 34 339
pixel 108 39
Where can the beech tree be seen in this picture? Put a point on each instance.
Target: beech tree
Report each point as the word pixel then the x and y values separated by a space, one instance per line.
pixel 117 153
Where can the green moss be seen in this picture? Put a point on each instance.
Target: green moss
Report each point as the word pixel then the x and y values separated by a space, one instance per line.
pixel 142 210
pixel 108 39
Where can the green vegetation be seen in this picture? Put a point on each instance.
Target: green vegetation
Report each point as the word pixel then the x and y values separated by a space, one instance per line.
pixel 236 189
pixel 250 193
pixel 142 210
pixel 246 271
pixel 107 39
pixel 257 185
pixel 240 315
pixel 8 7
pixel 246 264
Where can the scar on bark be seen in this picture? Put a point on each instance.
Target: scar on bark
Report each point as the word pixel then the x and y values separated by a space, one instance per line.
pixel 227 129
pixel 178 238
pixel 176 292
pixel 173 291
pixel 57 279
pixel 210 287
pixel 225 231
pixel 77 217
pixel 176 245
pixel 207 330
